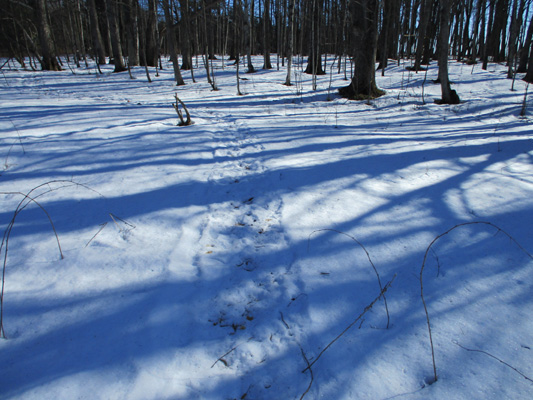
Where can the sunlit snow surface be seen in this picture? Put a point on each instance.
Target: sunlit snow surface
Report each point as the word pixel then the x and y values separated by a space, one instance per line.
pixel 216 261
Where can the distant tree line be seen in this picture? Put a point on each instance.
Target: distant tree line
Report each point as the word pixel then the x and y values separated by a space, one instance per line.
pixel 137 32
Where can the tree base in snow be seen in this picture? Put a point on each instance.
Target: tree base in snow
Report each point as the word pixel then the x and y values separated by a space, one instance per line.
pixel 50 64
pixel 350 93
pixel 454 99
pixel 414 69
pixel 319 70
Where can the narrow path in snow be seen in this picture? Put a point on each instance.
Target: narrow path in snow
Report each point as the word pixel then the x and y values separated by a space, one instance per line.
pixel 243 223
pixel 242 255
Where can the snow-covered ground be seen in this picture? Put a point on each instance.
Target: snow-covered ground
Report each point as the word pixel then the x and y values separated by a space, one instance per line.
pixel 220 260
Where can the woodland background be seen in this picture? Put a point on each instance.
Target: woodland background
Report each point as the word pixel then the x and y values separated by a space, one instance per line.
pixel 138 32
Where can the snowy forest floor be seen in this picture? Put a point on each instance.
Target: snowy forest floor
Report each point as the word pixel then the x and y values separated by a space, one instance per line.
pixel 219 260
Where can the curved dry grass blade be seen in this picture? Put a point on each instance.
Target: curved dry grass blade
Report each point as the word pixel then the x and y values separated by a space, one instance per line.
pixel 369 259
pixel 435 377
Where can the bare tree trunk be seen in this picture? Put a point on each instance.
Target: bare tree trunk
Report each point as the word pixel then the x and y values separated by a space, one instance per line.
pixel 234 48
pixel 431 32
pixel 266 35
pixel 449 96
pixel 524 55
pixel 412 38
pixel 491 33
pixel 363 25
pixel 484 36
pixel 500 30
pixel 132 26
pixel 49 59
pixel 186 63
pixel 477 41
pixel 210 28
pixel 383 37
pixel 466 50
pixel 74 35
pixel 143 49
pixel 314 63
pixel 425 14
pixel 237 45
pixel 152 43
pixel 516 21
pixel 114 33
pixel 278 17
pixel 171 42
pixel 290 46
pixel 529 74
pixel 248 36
pixel 78 17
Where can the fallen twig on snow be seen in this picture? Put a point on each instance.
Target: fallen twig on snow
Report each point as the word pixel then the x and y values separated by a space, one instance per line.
pixel 221 358
pixel 102 226
pixel 310 372
pixel 367 308
pixel 369 259
pixel 283 320
pixel 114 218
pixel 496 358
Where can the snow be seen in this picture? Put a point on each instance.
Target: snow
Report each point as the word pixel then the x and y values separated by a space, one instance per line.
pixel 219 260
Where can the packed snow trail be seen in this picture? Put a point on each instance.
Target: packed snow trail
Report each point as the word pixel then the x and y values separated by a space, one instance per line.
pixel 243 248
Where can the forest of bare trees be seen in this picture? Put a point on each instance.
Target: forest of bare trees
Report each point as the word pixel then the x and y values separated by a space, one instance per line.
pixel 34 33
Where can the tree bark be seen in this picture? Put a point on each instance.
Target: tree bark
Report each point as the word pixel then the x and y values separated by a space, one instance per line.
pixel 500 35
pixel 152 45
pixel 78 21
pixel 529 75
pixel 363 25
pixel 449 96
pixel 495 28
pixel 114 33
pixel 314 63
pixel 485 36
pixel 290 46
pixel 266 36
pixel 524 55
pixel 466 49
pixel 48 58
pixel 132 26
pixel 383 37
pixel 388 38
pixel 186 63
pixel 211 31
pixel 431 32
pixel 516 21
pixel 412 28
pixel 248 36
pixel 171 42
pixel 425 15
